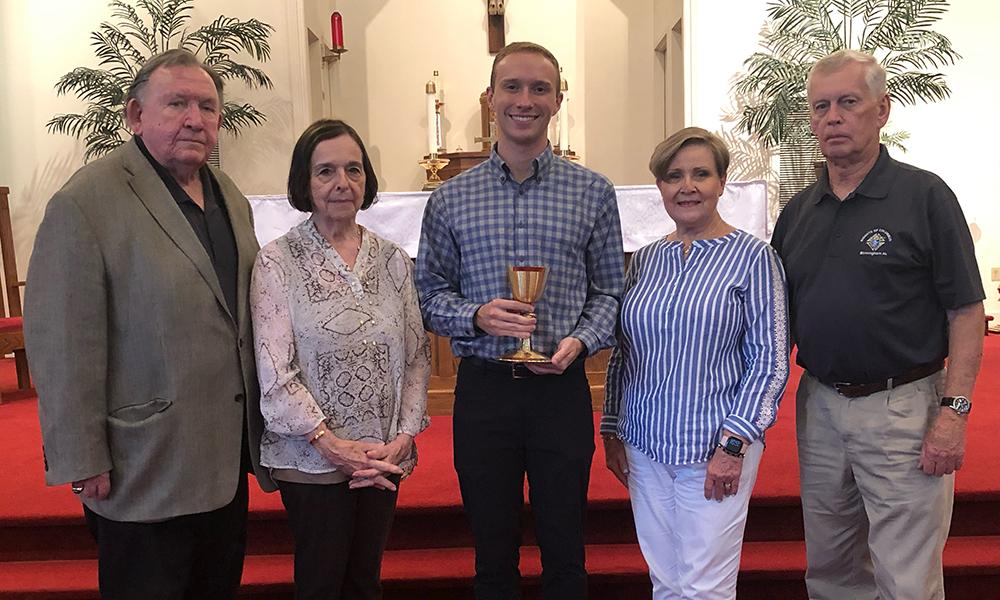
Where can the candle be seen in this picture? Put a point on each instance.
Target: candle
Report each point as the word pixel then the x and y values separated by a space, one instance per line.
pixel 432 145
pixel 564 117
pixel 337 30
pixel 437 116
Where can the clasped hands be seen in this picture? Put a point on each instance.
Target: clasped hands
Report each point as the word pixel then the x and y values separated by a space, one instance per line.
pixel 510 318
pixel 369 463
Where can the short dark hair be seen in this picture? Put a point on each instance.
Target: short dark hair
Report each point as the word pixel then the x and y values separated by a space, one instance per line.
pixel 514 48
pixel 171 58
pixel 300 172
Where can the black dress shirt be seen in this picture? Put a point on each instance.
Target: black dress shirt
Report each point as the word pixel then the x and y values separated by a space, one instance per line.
pixel 211 225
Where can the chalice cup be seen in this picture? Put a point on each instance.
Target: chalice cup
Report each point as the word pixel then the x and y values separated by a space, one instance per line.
pixel 526 284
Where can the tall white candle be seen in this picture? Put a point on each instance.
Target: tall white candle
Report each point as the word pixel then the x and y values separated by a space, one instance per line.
pixel 439 95
pixel 564 116
pixel 432 134
pixel 564 125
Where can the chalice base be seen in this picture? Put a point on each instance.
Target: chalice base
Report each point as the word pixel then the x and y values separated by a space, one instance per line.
pixel 525 356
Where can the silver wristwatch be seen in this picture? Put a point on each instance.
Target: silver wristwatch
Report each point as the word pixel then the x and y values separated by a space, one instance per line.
pixel 959 404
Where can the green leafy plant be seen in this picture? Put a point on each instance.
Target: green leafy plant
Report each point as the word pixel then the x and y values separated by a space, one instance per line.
pixel 122 47
pixel 898 33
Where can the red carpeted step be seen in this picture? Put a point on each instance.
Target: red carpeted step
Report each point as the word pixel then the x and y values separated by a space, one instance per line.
pixel 764 564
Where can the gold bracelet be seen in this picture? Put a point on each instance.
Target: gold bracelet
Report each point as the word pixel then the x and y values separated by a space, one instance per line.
pixel 318 435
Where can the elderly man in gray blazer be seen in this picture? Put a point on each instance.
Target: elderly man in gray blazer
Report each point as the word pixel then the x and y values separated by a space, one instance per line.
pixel 139 340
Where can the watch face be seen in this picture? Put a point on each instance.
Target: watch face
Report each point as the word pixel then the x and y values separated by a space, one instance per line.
pixel 959 404
pixel 734 444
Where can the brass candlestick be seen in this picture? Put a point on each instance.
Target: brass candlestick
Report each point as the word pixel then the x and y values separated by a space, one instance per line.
pixel 432 164
pixel 526 284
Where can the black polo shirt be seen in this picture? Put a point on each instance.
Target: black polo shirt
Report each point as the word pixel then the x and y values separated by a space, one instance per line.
pixel 870 277
pixel 211 224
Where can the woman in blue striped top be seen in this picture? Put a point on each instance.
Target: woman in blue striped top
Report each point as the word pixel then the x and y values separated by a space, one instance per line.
pixel 695 380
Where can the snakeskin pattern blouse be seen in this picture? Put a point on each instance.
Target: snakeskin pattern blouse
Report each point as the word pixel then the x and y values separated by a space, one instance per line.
pixel 344 345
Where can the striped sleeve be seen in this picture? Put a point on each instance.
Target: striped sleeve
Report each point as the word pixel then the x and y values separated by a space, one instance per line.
pixel 765 348
pixel 619 358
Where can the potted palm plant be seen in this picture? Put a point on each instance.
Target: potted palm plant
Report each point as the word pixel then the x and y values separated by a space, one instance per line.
pixel 123 46
pixel 898 33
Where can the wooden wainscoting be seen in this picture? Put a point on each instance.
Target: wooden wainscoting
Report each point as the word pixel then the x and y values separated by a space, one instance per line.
pixel 444 366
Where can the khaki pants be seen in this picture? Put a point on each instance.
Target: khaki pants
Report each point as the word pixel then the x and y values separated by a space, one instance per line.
pixel 875 524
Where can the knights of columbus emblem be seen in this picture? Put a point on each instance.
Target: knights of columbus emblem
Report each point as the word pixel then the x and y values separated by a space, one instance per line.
pixel 876 240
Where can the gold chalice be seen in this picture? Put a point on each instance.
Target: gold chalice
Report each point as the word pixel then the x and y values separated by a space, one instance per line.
pixel 527 284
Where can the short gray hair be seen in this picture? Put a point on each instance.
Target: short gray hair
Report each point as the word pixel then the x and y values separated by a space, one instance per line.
pixel 171 58
pixel 874 73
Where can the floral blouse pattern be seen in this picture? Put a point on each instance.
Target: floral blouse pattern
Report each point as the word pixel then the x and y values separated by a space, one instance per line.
pixel 336 344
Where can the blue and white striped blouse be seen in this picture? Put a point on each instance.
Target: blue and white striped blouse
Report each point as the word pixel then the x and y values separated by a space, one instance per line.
pixel 702 345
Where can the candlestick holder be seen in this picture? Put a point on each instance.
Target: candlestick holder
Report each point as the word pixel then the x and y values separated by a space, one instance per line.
pixel 332 55
pixel 432 164
pixel 567 154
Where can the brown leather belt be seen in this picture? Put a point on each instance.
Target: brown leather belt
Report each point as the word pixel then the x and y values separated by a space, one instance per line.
pixel 856 390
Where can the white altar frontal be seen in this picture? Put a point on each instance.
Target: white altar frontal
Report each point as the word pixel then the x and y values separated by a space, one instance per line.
pixel 397 216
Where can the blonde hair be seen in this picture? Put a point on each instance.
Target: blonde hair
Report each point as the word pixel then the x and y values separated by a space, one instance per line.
pixel 689 136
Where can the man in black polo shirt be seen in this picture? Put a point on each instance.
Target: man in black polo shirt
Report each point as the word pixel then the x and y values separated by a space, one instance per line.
pixel 883 287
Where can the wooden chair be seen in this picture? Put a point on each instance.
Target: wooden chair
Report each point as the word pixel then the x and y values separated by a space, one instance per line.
pixel 11 326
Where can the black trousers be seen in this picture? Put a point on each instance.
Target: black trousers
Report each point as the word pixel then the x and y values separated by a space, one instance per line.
pixel 191 557
pixel 340 535
pixel 504 428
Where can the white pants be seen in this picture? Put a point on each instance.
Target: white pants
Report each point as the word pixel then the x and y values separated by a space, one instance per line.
pixel 692 545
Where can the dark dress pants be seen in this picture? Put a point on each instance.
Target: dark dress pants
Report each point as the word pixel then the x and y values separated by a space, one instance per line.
pixel 191 557
pixel 505 427
pixel 340 536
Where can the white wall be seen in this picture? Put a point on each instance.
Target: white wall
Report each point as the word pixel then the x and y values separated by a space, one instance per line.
pixel 957 138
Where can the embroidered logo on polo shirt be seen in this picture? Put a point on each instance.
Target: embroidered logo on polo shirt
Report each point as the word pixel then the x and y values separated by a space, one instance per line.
pixel 875 242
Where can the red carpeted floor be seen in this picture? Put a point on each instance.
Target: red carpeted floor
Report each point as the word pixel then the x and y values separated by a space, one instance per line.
pixel 45 551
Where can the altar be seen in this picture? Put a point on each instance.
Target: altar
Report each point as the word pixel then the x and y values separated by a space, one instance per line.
pixel 397 216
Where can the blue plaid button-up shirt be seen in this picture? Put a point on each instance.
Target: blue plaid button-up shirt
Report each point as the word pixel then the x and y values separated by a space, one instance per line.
pixel 564 217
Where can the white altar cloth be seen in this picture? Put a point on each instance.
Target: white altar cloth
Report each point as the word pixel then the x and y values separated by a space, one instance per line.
pixel 397 216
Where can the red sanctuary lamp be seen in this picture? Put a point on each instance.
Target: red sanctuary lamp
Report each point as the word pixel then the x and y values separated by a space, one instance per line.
pixel 336 39
pixel 337 31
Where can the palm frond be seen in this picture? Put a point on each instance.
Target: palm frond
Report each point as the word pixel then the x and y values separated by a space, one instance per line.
pixel 100 143
pixel 913 86
pixel 97 118
pixel 92 85
pixel 236 117
pixel 251 76
pixel 116 52
pixel 895 139
pixel 899 33
pixel 228 35
pixel 132 25
pixel 123 45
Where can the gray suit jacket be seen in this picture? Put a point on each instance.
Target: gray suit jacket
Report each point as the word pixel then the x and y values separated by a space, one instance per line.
pixel 140 368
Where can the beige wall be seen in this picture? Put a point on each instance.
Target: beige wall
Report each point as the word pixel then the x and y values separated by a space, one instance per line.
pixel 34 163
